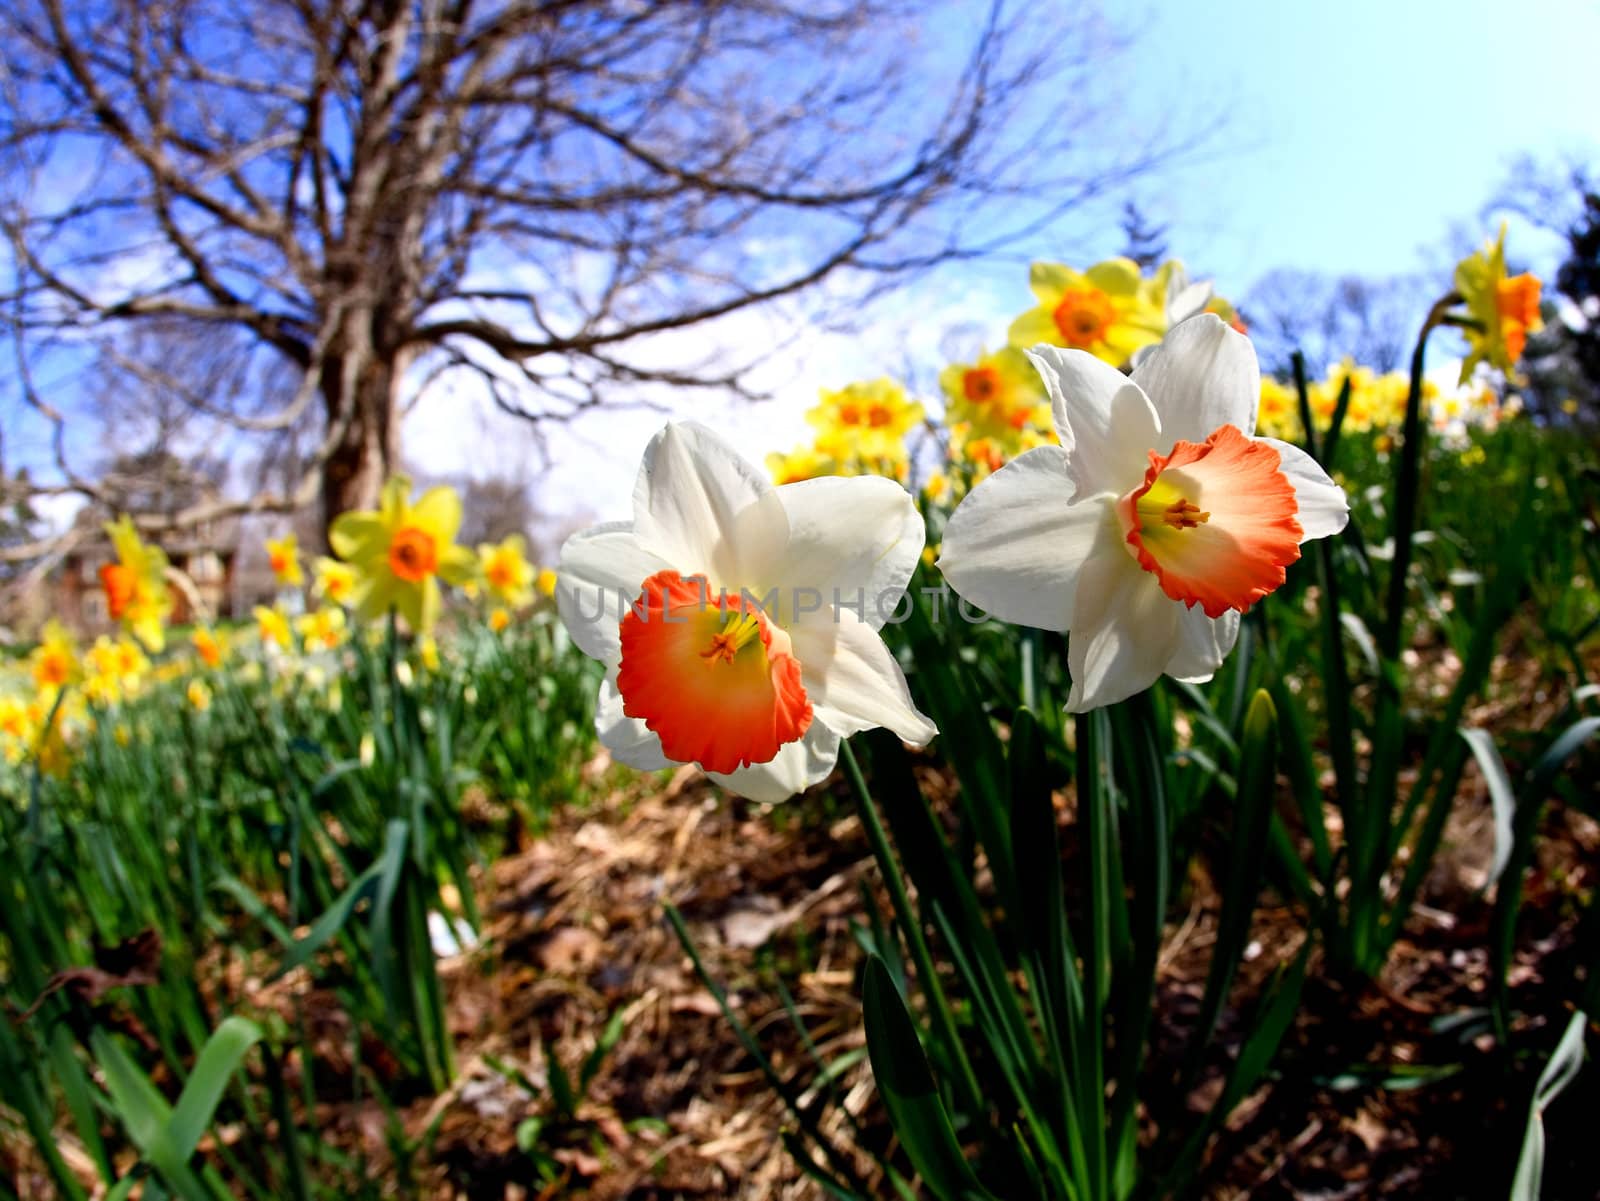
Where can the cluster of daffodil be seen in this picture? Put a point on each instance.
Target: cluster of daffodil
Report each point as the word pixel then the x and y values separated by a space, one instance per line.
pixel 996 407
pixel 861 429
pixel 1501 310
pixel 390 559
pixel 1452 404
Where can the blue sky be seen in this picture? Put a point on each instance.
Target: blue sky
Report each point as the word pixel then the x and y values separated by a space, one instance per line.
pixel 1357 132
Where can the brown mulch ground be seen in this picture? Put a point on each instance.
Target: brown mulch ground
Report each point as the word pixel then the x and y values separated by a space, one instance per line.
pixel 1383 1091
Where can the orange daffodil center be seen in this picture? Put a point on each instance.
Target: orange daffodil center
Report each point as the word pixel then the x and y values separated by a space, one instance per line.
pixel 1159 519
pixel 413 555
pixel 1083 316
pixel 714 679
pixel 738 621
pixel 1227 563
pixel 120 585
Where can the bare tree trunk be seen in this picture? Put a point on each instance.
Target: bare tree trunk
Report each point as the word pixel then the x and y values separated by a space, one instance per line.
pixel 361 391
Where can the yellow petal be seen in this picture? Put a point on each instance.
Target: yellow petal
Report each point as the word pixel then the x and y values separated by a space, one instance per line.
pixel 1116 277
pixel 394 503
pixel 1032 328
pixel 457 565
pixel 359 537
pixel 438 512
pixel 1051 281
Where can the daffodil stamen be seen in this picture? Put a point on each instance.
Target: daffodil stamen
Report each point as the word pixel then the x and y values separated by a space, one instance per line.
pixel 738 631
pixel 1183 514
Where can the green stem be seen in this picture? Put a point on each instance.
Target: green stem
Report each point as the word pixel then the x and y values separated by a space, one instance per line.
pixel 1408 484
pixel 938 1004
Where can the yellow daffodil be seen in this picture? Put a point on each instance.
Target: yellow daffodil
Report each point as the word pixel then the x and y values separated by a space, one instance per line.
pixel 401 551
pixel 209 645
pixel 333 581
pixel 16 729
pixel 865 421
pixel 546 582
pixel 999 399
pixel 116 670
pixel 136 585
pixel 272 627
pixel 322 629
pixel 284 556
pixel 1108 310
pixel 1279 415
pixel 199 694
pixel 801 463
pixel 1505 308
pixel 55 661
pixel 506 570
pixel 499 619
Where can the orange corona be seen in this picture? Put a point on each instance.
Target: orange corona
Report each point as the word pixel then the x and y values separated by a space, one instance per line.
pixel 713 678
pixel 413 555
pixel 1083 316
pixel 1234 551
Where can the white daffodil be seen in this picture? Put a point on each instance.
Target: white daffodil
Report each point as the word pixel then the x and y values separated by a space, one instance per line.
pixel 1154 525
pixel 739 621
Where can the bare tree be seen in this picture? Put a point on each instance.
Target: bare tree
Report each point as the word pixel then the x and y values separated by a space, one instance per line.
pixel 372 194
pixel 1328 318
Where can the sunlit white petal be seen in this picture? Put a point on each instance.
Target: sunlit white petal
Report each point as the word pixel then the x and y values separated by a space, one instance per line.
pixel 797 767
pixel 853 680
pixel 703 509
pixel 1082 389
pixel 1203 644
pixel 1202 376
pixel 859 538
pixel 1124 633
pixel 1014 546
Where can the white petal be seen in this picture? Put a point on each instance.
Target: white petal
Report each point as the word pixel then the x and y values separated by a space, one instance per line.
pixel 859 537
pixel 1124 634
pixel 852 679
pixel 1083 390
pixel 628 739
pixel 706 510
pixel 1188 301
pixel 1204 375
pixel 1323 508
pixel 602 570
pixel 1203 644
pixel 798 766
pixel 1015 545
